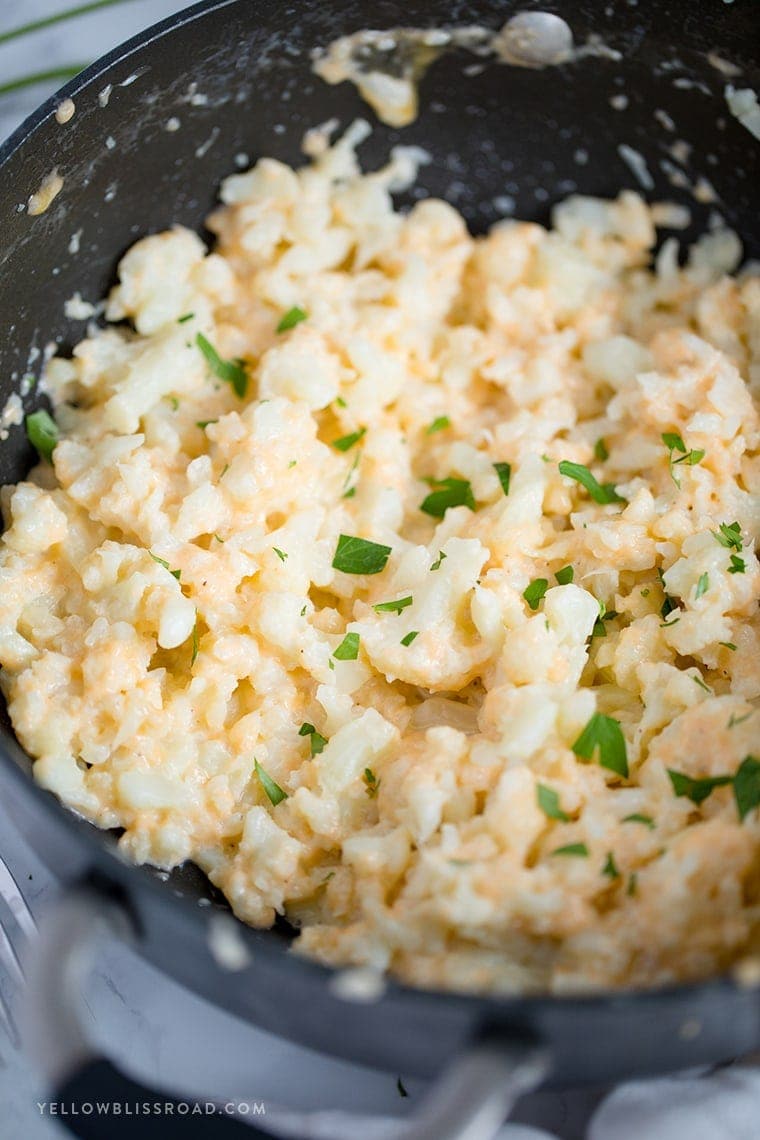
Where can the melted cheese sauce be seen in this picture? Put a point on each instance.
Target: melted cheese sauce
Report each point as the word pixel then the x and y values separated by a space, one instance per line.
pixel 170 612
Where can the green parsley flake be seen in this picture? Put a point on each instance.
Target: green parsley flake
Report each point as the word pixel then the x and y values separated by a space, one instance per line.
pixel 187 317
pixel 448 493
pixel 437 564
pixel 605 734
pixel 359 556
pixel 162 562
pixel 747 786
pixel 440 423
pixel 673 441
pixel 600 451
pixel 565 575
pixel 610 867
pixel 194 653
pixel 292 318
pixel 738 565
pixel 346 442
pixel 371 782
pixel 633 881
pixel 231 371
pixel 703 585
pixel 348 650
pixel 572 849
pixel 393 607
pixel 729 535
pixel 600 493
pixel 697 790
pixel 316 740
pixel 203 424
pixel 733 720
pixel 280 554
pixel 548 801
pixel 535 592
pixel 504 471
pixel 273 790
pixel 637 817
pixel 42 432
pixel 728 645
pixel 409 638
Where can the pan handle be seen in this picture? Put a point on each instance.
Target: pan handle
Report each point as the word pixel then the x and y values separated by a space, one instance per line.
pixel 470 1101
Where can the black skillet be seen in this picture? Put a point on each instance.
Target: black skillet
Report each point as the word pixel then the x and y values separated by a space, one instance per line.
pixel 502 131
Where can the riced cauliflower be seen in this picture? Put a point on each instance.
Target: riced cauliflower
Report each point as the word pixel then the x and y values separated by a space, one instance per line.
pixel 405 581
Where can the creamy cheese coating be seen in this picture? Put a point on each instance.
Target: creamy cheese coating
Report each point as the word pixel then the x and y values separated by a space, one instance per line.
pixel 170 612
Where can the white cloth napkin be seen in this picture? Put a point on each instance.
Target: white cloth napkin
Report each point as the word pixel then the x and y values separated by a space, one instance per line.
pixel 722 1105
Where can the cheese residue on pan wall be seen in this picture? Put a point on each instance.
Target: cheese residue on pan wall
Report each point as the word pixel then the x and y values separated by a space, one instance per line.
pixel 405 581
pixel 387 66
pixel 50 187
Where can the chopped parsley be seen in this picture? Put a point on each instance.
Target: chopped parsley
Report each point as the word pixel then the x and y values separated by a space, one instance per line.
pixel 174 402
pixel 599 492
pixel 437 564
pixel 674 443
pixel 728 645
pixel 440 423
pixel 548 801
pixel 42 432
pixel 162 562
pixel 747 786
pixel 393 607
pixel 603 734
pixel 371 783
pixel 194 654
pixel 637 817
pixel 447 493
pixel 346 442
pixel 187 317
pixel 572 849
pixel 703 585
pixel 292 318
pixel 348 650
pixel 504 471
pixel 610 867
pixel 359 556
pixel 280 554
pixel 203 424
pixel 565 575
pixel 231 371
pixel 729 535
pixel 600 451
pixel 697 790
pixel 409 638
pixel 738 565
pixel 733 720
pixel 273 790
pixel 316 740
pixel 633 882
pixel 534 592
